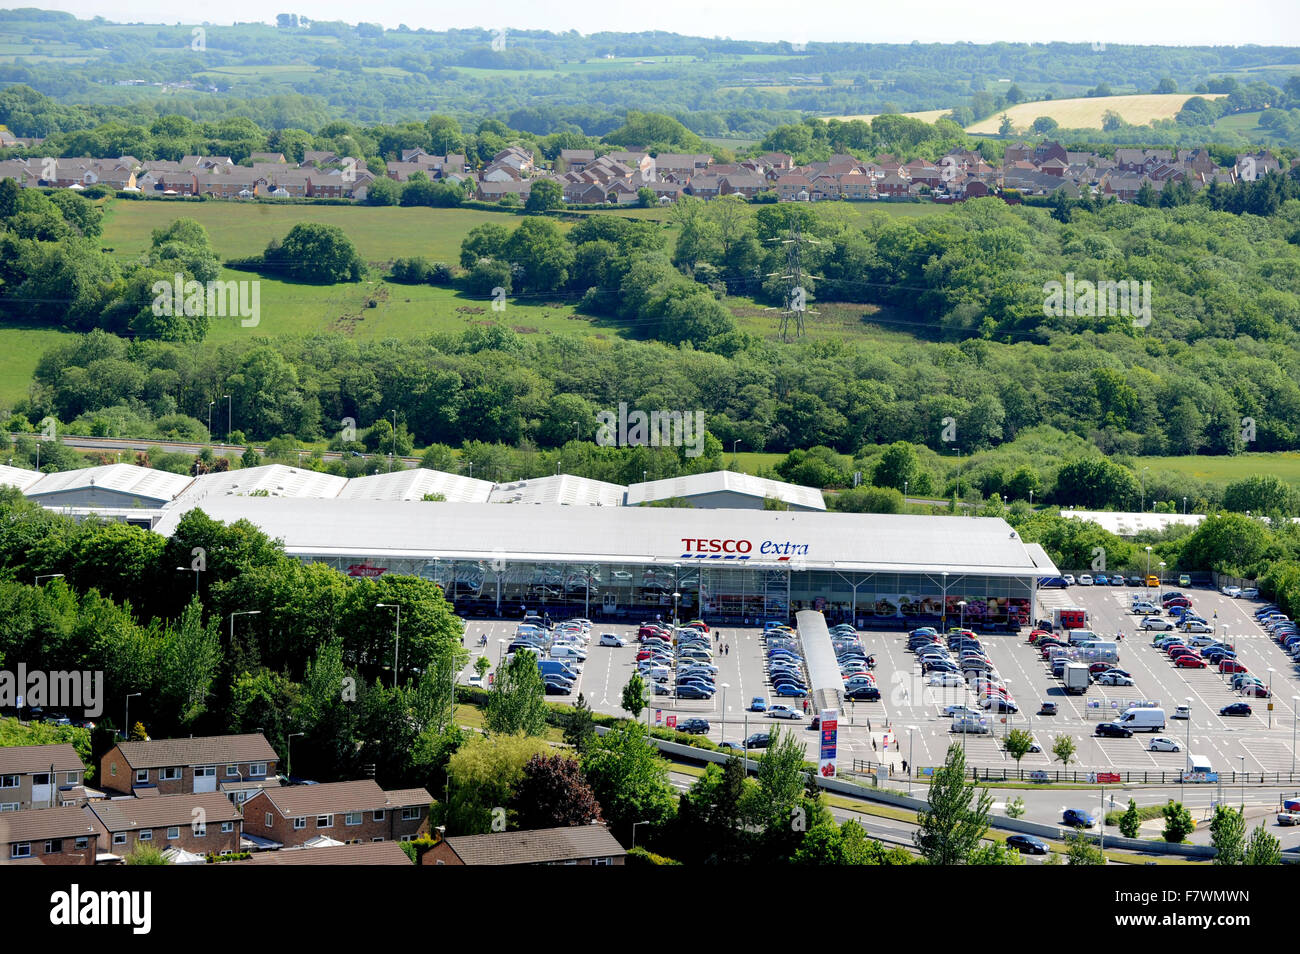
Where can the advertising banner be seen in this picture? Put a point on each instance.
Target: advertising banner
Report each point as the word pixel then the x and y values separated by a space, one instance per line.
pixel 829 742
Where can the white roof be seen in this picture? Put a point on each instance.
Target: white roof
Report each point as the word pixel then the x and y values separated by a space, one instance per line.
pixel 725 481
pixel 1129 524
pixel 1044 563
pixel 414 484
pixel 561 489
pixel 270 480
pixel 18 477
pixel 411 530
pixel 143 482
pixel 179 856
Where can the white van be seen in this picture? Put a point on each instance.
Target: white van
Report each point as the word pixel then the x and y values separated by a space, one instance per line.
pixel 1199 765
pixel 1143 720
pixel 569 652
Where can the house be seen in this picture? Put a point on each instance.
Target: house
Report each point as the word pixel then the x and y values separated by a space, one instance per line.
pixel 857 187
pixel 892 185
pixel 493 191
pixel 516 157
pixel 642 164
pixel 173 766
pixel 681 163
pixel 790 185
pixel 357 811
pixel 705 187
pixel 575 160
pixel 40 776
pixel 584 193
pixel 50 836
pixel 318 157
pixel 184 182
pixel 575 845
pixel 742 183
pixel 381 853
pixel 778 161
pixel 666 192
pixel 275 157
pixel 204 823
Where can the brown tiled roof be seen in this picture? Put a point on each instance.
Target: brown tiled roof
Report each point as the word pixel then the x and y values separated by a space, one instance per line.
pixel 362 795
pixel 205 750
pixel 538 846
pixel 26 759
pixel 131 814
pixel 371 853
pixel 39 823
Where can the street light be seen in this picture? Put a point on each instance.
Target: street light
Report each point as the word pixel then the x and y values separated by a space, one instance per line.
pixel 911 755
pixel 397 637
pixel 634 828
pixel 210 404
pixel 1148 580
pixel 723 718
pixel 1143 476
pixel 501 648
pixel 196 571
pixel 230 414
pixel 1187 757
pixel 1270 697
pixel 961 609
pixel 1243 785
pixel 126 718
pixel 943 612
pixel 240 613
pixel 288 768
pixel 1295 713
pixel 47 576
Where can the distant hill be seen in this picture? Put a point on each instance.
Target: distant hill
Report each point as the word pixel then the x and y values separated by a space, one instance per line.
pixel 1088 112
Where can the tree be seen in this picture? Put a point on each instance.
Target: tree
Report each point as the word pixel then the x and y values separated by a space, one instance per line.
pixel 145 853
pixel 1264 848
pixel 956 818
pixel 1178 822
pixel 189 658
pixel 897 467
pixel 1005 126
pixel 629 779
pixel 1130 823
pixel 552 793
pixel 545 194
pixel 1044 125
pixel 994 853
pixel 1016 808
pixel 579 725
pixel 634 696
pixel 1018 744
pixel 1080 851
pixel 312 252
pixel 1228 836
pixel 1063 750
pixel 483 664
pixel 1259 493
pixel 517 703
pixel 482 775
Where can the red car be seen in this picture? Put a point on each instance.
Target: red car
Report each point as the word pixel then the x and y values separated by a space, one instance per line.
pixel 1177 649
pixel 1189 662
pixel 1256 690
pixel 1097 669
pixel 1178 601
pixel 1231 665
pixel 1038 634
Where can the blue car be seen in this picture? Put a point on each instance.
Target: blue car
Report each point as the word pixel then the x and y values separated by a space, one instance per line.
pixel 758 704
pixel 1077 818
pixel 786 689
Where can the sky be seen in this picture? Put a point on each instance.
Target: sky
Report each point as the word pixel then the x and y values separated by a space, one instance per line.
pixel 1165 22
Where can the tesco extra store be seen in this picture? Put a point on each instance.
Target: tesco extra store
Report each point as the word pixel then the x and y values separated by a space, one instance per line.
pixel 885 570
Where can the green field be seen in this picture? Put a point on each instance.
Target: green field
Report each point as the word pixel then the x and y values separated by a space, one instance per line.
pixel 20 349
pixel 1284 464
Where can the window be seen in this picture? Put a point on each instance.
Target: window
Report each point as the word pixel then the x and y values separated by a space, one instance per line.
pixel 73 778
pixel 377 816
pixel 205 771
pixel 409 814
pixel 53 846
pixel 299 823
pixel 8 806
pixel 112 769
pixel 224 852
pixel 21 850
pixel 119 838
pixel 170 774
pixel 81 844
pixel 257 769
pixel 227 827
pixel 408 838
pixel 376 839
pixel 324 821
pixel 146 835
pixel 602 861
pixel 41 778
pixel 8 781
pixel 268 819
pixel 173 833
pixel 142 775
pixel 200 830
pixel 232 770
pixel 352 818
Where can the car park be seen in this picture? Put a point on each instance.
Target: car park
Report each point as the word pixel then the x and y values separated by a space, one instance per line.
pixel 1235 709
pixel 1112 730
pixel 1077 818
pixel 1163 744
pixel 1027 844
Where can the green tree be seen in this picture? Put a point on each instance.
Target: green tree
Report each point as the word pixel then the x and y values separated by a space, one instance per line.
pixel 313 252
pixel 956 816
pixel 188 661
pixel 1263 849
pixel 1261 494
pixel 517 703
pixel 579 725
pixel 145 853
pixel 482 776
pixel 1228 836
pixel 1063 750
pixel 634 696
pixel 552 793
pixel 994 853
pixel 1178 822
pixel 629 779
pixel 898 467
pixel 1016 808
pixel 545 195
pixel 1080 850
pixel 1130 823
pixel 1018 744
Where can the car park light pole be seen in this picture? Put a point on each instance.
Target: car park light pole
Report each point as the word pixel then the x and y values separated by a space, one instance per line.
pixel 961 608
pixel 1148 579
pixel 944 609
pixel 1187 756
pixel 1270 697
pixel 723 718
pixel 911 756
pixel 288 767
pixel 1295 712
pixel 398 637
pixel 126 730
pixel 1243 785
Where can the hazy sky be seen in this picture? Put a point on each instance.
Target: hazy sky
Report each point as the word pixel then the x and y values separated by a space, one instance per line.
pixel 1175 22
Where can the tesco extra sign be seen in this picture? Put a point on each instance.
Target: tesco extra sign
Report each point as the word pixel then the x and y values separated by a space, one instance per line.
pixel 697 548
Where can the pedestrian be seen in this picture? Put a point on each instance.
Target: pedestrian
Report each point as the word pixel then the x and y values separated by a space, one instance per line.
pixel 905 766
pixel 873 744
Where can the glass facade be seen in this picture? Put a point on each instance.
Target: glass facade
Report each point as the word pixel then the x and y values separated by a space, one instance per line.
pixel 729 592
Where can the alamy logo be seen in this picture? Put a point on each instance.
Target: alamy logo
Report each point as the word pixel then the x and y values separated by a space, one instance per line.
pixel 76 907
pixel 215 299
pixel 1086 299
pixel 655 429
pixel 49 689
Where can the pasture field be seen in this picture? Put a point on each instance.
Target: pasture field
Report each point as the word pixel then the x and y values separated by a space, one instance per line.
pixel 1087 112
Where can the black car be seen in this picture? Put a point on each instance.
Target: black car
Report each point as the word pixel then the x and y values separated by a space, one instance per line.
pixel 693 726
pixel 556 689
pixel 1027 844
pixel 1236 709
pixel 759 740
pixel 1136 581
pixel 865 694
pixel 1112 730
pixel 1047 708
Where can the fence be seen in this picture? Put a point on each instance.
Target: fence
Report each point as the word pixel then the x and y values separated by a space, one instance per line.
pixel 1084 777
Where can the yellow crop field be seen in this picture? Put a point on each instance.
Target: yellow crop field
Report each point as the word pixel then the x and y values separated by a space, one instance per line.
pixel 1087 113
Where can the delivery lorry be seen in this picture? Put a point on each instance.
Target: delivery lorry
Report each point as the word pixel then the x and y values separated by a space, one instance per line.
pixel 1069 617
pixel 1076 678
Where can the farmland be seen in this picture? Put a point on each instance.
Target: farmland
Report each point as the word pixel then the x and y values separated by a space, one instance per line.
pixel 1088 112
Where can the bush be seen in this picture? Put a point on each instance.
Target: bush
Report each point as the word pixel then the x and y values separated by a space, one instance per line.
pixel 639 856
pixel 410 271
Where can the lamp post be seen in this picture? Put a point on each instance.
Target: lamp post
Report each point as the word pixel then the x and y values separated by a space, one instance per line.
pixel 943 611
pixel 1143 476
pixel 240 613
pixel 911 754
pixel 1243 785
pixel 196 571
pixel 230 416
pixel 1148 579
pixel 1270 697
pixel 1184 506
pixel 1187 755
pixel 733 449
pixel 397 637
pixel 47 576
pixel 961 610
pixel 723 718
pixel 288 767
pixel 1162 576
pixel 210 404
pixel 126 718
pixel 501 648
pixel 1295 713
pixel 635 825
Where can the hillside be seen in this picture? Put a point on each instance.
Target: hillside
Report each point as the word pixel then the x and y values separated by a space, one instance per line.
pixel 1088 112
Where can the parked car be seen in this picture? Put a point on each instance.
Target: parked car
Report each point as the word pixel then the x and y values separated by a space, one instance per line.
pixel 1256 690
pixel 1189 662
pixel 1184 579
pixel 1047 709
pixel 1114 678
pixel 694 692
pixel 693 726
pixel 1101 579
pixel 1229 664
pixel 784 712
pixel 1069 579
pixel 1085 580
pixel 1156 622
pixel 1181 712
pixel 945 679
pixel 1288 818
pixel 1233 591
pixel 863 694
pixel 1249 593
pixel 1163 744
pixel 1195 626
pixel 1112 730
pixel 1077 818
pixel 971 726
pixel 1135 581
pixel 1235 709
pixel 1027 844
pixel 758 740
pixel 611 639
